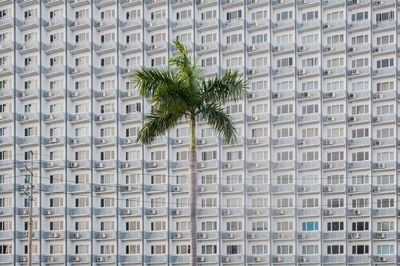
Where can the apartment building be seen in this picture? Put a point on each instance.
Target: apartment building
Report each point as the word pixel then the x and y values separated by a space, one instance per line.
pixel 312 179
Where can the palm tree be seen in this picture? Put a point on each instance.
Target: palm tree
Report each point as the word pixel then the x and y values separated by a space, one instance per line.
pixel 182 93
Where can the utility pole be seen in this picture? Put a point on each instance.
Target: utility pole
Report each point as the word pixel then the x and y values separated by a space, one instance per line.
pixel 29 193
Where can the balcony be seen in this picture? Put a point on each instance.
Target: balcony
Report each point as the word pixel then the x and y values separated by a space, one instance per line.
pixel 55 71
pixel 283 189
pixel 309 212
pixel 28 71
pixel 106 24
pixel 80 24
pixel 6 23
pixel 105 71
pixel 28 117
pixel 131 24
pixel 103 3
pixel 28 24
pixel 206 3
pixel 207 25
pixel 105 48
pixel 182 25
pixel 307 166
pixel 308 25
pixel 53 24
pixel 54 47
pixel 256 25
pixel 336 118
pixel 283 26
pixel 282 119
pixel 157 24
pixel 80 71
pixel 306 119
pixel 232 25
pixel 306 73
pixel 358 26
pixel 384 212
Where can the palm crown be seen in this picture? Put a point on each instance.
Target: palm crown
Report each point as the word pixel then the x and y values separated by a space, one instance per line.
pixel 181 92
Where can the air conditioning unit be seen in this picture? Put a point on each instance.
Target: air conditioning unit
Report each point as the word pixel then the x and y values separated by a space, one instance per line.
pixel 254 24
pixel 228 189
pixel 302 189
pixel 351 49
pixel 327 72
pixel 47 212
pixel 277 259
pixel 23 212
pixel 302 260
pixel 381 166
pixel 74 165
pixel 252 95
pixel 302 72
pixel 201 259
pixel 254 1
pixel 102 141
pixel 177 235
pixel 127 188
pixel 252 48
pixel 49 94
pixel 377 189
pixel 255 141
pixel 256 259
pixel 153 47
pixel 127 212
pixel 355 2
pixel 352 119
pixel 176 212
pixel 376 119
pixel 99 118
pixel 355 71
pixel 203 235
pixel 153 164
pixel 251 236
pixel 352 189
pixel 302 48
pixel 328 166
pixel 128 94
pixel 327 189
pixel 152 212
pixel 256 212
pixel 328 212
pixel 326 26
pixel 329 142
pixel 77 235
pixel 301 236
pixel 356 212
pixel 254 118
pixel 103 235
pixel 228 165
pixel 75 94
pixel 100 189
pixel 230 236
pixel 24 187
pixel 251 72
pixel 103 94
pixel 300 142
pixel 177 189
pixel 23 259
pixel 379 96
pixel 203 47
pixel 380 235
pixel 178 141
pixel 76 259
pixel 200 189
pixel 50 164
pixel 227 212
pixel 382 259
pixel 355 235
pixel 74 70
pixel 276 49
pixel 24 117
pixel 378 3
pixel 330 119
pixel 330 95
pixel 50 117
pixel 225 259
pixel 201 142
pixel 255 165
pixel 377 50
pixel 377 143
pixel 54 235
pixel 125 165
pixel 99 259
pixel 127 141
pixel 53 140
pixel 280 212
pixel 99 165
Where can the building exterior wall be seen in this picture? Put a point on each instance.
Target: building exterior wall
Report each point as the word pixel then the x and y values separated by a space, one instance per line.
pixel 312 179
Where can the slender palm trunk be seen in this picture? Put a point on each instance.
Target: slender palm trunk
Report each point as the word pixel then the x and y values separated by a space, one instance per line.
pixel 193 192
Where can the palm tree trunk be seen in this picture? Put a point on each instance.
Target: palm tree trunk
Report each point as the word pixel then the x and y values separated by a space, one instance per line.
pixel 193 192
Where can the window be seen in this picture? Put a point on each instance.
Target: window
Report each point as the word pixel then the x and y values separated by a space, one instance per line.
pixel 132 226
pixel 310 109
pixel 309 85
pixel 309 132
pixel 385 249
pixel 309 62
pixel 284 39
pixel 260 14
pixel 335 156
pixel 259 226
pixel 385 179
pixel 360 203
pixel 284 86
pixel 260 38
pixel 360 179
pixel 209 179
pixel 234 38
pixel 310 156
pixel 337 62
pixel 360 156
pixel 259 249
pixel 389 62
pixel 385 203
pixel 360 62
pixel 132 249
pixel 182 249
pixel 158 226
pixel 284 109
pixel 184 14
pixel 208 249
pixel 208 155
pixel 284 179
pixel 310 249
pixel 385 86
pixel 335 16
pixel 360 109
pixel 311 15
pixel 359 16
pixel 285 203
pixel 385 109
pixel 285 156
pixel 209 202
pixel 334 39
pixel 360 86
pixel 210 14
pixel 284 249
pixel 335 86
pixel 386 39
pixel 284 226
pixel 284 132
pixel 284 62
pixel 335 109
pixel 310 39
pixel 259 179
pixel 385 226
pixel 234 226
pixel 335 226
pixel 310 226
pixel 360 249
pixel 237 14
pixel 285 15
pixel 209 226
pixel 385 156
pixel 335 249
pixel 158 249
pixel 383 17
pixel 310 203
pixel 335 203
